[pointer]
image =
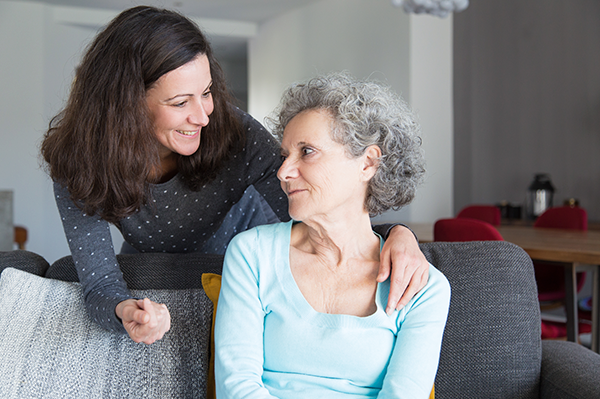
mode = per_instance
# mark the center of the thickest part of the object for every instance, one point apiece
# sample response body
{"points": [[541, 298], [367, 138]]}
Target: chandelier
{"points": [[439, 8]]}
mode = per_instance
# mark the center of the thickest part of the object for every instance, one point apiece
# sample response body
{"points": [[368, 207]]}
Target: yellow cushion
{"points": [[212, 286]]}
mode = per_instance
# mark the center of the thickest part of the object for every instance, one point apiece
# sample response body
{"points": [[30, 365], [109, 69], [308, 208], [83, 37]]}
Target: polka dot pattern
{"points": [[177, 220]]}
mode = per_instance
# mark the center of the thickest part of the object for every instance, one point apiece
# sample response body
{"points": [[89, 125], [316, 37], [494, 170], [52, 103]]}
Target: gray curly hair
{"points": [[365, 113]]}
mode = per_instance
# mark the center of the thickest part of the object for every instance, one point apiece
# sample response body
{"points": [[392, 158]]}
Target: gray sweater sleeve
{"points": [[91, 246]]}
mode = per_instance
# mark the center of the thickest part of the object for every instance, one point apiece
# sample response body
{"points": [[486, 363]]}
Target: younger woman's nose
{"points": [[199, 116]]}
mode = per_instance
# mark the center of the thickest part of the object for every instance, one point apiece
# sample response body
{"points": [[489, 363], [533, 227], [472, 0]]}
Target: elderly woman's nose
{"points": [[288, 170]]}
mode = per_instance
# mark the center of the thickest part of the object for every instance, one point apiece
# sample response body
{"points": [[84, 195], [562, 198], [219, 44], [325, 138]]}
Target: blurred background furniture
{"points": [[492, 285], [572, 247], [20, 236], [552, 277], [487, 213], [6, 220], [563, 217], [464, 229]]}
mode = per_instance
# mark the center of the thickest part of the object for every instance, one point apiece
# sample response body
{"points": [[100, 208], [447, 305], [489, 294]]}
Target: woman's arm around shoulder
{"points": [[401, 258]]}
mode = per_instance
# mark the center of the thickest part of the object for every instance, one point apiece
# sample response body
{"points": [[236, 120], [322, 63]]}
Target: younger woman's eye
{"points": [[180, 104], [208, 91]]}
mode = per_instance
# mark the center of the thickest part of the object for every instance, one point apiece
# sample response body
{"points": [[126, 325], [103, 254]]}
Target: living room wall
{"points": [[527, 100], [412, 53], [23, 116]]}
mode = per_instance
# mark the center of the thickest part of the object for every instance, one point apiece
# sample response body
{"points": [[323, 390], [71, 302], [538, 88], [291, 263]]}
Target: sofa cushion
{"points": [[492, 345], [52, 349], [211, 283]]}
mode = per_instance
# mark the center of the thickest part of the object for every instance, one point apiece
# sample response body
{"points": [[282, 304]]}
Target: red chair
{"points": [[464, 229], [486, 213], [563, 217], [550, 277]]}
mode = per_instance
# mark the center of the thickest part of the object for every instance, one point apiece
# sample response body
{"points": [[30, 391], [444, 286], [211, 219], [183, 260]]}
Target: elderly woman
{"points": [[301, 313]]}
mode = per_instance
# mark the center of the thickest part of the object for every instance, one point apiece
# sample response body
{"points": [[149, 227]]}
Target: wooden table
{"points": [[576, 249]]}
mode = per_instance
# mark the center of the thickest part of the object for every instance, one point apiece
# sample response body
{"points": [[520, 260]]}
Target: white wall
{"points": [[527, 100], [368, 38], [22, 116], [431, 97], [365, 37], [37, 69]]}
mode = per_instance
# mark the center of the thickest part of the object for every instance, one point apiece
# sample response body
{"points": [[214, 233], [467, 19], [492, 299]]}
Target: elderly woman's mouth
{"points": [[295, 191]]}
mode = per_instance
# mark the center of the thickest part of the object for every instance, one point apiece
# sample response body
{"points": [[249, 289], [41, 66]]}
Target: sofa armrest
{"points": [[492, 346], [569, 370]]}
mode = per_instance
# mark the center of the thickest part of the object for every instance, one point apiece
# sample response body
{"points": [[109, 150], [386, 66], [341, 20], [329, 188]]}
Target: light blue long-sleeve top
{"points": [[271, 343]]}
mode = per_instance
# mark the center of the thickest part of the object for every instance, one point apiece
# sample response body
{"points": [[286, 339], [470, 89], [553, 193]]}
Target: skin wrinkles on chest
{"points": [[348, 287]]}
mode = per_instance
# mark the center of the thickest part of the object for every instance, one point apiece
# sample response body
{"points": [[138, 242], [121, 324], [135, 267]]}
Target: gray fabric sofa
{"points": [[49, 348]]}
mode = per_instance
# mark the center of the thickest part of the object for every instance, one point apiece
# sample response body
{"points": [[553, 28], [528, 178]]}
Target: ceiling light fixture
{"points": [[439, 8]]}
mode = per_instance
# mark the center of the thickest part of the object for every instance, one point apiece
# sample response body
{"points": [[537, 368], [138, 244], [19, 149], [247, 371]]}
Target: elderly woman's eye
{"points": [[307, 151]]}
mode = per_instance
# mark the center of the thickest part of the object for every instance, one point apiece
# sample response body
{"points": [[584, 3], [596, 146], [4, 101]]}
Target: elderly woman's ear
{"points": [[370, 161]]}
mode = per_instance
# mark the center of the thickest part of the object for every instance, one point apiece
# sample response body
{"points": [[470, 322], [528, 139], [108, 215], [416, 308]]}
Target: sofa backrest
{"points": [[27, 261], [492, 344], [144, 271]]}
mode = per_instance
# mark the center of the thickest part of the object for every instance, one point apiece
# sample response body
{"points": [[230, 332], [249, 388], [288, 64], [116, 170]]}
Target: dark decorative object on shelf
{"points": [[539, 195]]}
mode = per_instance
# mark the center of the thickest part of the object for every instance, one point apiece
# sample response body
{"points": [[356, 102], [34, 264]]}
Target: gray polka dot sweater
{"points": [[178, 220]]}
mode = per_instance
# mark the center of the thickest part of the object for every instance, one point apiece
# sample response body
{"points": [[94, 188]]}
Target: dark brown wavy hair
{"points": [[102, 145]]}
